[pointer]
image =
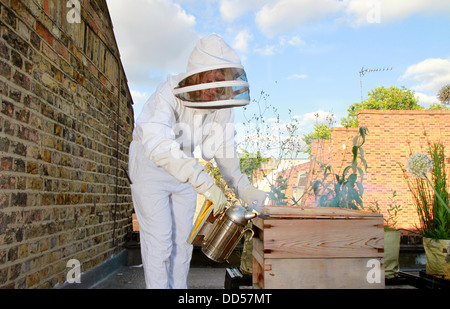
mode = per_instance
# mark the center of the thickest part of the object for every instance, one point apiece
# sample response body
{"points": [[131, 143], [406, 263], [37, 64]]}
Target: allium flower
{"points": [[419, 164]]}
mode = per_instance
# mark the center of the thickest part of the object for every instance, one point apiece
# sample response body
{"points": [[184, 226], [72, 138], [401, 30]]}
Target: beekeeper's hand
{"points": [[218, 199], [254, 198]]}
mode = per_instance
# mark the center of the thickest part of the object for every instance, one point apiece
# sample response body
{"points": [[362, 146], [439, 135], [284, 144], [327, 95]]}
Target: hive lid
{"points": [[315, 212]]}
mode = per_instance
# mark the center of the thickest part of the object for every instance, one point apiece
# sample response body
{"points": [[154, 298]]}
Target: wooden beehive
{"points": [[317, 247]]}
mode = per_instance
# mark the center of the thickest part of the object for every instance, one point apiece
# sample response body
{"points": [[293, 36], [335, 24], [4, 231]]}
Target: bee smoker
{"points": [[226, 232]]}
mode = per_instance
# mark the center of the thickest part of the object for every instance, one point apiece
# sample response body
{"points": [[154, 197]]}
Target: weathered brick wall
{"points": [[391, 136], [65, 125]]}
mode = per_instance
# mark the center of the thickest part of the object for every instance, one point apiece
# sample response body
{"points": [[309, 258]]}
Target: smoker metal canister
{"points": [[226, 233]]}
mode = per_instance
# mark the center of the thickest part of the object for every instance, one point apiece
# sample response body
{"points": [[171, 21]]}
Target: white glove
{"points": [[254, 198], [218, 199]]}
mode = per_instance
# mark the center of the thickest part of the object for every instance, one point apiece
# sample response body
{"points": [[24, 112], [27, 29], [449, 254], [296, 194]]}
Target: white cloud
{"points": [[268, 50], [277, 139], [139, 97], [430, 75], [277, 16], [272, 119], [426, 100], [291, 126], [278, 135], [293, 41], [319, 116], [154, 35], [242, 40], [296, 41], [283, 15], [382, 11], [283, 42], [297, 76], [230, 10], [301, 123]]}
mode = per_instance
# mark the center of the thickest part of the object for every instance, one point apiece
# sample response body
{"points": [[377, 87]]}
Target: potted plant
{"points": [[391, 236], [431, 200]]}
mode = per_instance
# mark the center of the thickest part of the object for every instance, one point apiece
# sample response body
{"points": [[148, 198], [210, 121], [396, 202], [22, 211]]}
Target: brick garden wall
{"points": [[65, 125], [391, 136]]}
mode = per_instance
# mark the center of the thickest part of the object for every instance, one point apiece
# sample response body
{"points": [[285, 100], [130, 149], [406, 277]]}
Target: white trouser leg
{"points": [[155, 230], [183, 209], [165, 210]]}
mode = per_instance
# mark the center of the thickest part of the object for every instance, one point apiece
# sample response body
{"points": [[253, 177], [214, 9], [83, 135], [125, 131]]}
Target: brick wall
{"points": [[65, 125], [391, 136]]}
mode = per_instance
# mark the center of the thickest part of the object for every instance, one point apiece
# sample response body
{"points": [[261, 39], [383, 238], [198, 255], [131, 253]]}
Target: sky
{"points": [[305, 55]]}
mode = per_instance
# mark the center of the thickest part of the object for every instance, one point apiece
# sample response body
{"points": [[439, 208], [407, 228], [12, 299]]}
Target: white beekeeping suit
{"points": [[188, 110]]}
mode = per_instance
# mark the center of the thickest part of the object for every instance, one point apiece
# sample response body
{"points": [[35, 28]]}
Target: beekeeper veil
{"points": [[214, 78]]}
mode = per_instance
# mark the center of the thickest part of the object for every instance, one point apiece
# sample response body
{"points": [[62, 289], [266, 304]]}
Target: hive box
{"points": [[317, 247]]}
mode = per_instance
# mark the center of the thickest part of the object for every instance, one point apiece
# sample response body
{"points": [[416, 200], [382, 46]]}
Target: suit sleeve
{"points": [[227, 158], [155, 130]]}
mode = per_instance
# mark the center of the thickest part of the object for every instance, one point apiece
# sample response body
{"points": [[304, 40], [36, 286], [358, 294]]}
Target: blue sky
{"points": [[305, 54]]}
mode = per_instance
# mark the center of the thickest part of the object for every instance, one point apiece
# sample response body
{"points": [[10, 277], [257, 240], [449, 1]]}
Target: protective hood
{"points": [[214, 78]]}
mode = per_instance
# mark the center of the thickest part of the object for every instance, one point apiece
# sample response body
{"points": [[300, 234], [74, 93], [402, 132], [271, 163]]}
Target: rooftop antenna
{"points": [[362, 73]]}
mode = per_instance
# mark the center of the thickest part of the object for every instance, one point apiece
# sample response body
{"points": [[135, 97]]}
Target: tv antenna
{"points": [[362, 73]]}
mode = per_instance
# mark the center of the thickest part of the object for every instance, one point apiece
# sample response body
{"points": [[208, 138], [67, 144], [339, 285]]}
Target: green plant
{"points": [[266, 135], [391, 220], [431, 200], [344, 190], [381, 98], [321, 131], [250, 163], [277, 192]]}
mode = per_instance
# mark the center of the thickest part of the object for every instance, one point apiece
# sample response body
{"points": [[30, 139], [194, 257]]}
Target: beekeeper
{"points": [[188, 110]]}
